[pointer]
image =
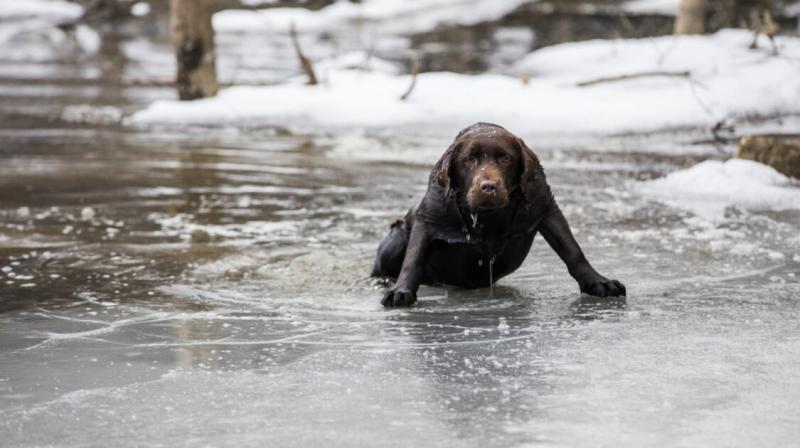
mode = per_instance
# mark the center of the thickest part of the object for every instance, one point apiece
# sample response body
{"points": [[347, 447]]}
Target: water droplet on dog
{"points": [[480, 262], [491, 277], [474, 217]]}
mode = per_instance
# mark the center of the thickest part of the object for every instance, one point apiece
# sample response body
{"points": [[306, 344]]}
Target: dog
{"points": [[487, 198]]}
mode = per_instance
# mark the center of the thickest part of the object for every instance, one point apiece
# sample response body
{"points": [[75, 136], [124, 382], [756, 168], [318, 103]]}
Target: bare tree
{"points": [[691, 17], [193, 40]]}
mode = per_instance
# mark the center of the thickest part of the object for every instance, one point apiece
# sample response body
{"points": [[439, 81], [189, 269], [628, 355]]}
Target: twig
{"points": [[305, 63], [736, 138], [720, 127], [595, 81], [414, 70]]}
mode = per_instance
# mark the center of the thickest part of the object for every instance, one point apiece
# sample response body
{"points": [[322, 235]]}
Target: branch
{"points": [[592, 82], [305, 63], [414, 71]]}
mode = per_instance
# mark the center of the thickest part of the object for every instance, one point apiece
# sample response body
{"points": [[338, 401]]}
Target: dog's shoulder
{"points": [[440, 213]]}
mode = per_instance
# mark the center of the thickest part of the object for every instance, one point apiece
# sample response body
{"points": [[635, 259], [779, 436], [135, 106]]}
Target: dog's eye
{"points": [[473, 159], [504, 158]]}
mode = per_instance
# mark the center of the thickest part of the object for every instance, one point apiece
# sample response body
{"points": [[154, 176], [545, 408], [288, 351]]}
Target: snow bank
{"points": [[665, 7], [56, 10], [391, 15], [727, 79], [709, 187]]}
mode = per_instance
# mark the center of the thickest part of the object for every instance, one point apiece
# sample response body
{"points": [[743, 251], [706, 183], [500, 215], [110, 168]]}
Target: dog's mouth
{"points": [[486, 202]]}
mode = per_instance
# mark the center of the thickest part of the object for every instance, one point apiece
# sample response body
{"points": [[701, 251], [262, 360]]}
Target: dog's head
{"points": [[487, 164]]}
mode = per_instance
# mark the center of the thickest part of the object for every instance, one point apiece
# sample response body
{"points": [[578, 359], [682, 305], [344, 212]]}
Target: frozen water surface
{"points": [[182, 287], [166, 290]]}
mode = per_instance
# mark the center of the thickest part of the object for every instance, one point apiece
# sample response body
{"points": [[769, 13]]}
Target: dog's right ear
{"points": [[442, 172]]}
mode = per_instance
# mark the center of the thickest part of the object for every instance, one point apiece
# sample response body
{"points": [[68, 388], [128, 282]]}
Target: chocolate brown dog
{"points": [[487, 198]]}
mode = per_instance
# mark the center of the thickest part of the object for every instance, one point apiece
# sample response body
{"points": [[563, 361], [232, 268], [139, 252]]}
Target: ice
{"points": [[502, 326], [91, 114], [184, 226], [88, 214]]}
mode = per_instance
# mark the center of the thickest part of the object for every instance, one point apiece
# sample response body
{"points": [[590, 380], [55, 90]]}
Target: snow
{"points": [[24, 21], [727, 79], [397, 15], [709, 187], [259, 2], [43, 9], [665, 7], [86, 113], [140, 9], [88, 39], [792, 10]]}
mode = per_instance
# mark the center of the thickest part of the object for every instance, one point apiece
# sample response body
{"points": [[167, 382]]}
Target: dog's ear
{"points": [[442, 172], [531, 171]]}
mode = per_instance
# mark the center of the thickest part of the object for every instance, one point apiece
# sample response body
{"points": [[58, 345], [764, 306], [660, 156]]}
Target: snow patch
{"points": [[140, 9], [88, 39], [55, 10], [709, 187], [664, 7], [387, 15]]}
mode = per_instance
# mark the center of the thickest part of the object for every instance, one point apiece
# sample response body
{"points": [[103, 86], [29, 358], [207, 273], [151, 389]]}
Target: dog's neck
{"points": [[489, 229]]}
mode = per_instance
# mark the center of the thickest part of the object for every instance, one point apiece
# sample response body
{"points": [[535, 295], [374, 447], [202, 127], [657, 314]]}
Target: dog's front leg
{"points": [[405, 289], [555, 230]]}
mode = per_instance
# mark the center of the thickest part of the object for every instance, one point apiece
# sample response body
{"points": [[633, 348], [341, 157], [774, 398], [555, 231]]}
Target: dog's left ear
{"points": [[532, 172], [442, 171]]}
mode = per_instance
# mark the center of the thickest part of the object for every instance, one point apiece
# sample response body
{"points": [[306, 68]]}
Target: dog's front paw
{"points": [[398, 297], [603, 287]]}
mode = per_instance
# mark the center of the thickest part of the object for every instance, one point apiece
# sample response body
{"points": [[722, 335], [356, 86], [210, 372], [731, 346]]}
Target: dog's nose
{"points": [[488, 186]]}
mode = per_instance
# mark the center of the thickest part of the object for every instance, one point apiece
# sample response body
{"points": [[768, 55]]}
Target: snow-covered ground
{"points": [[387, 15], [666, 7], [725, 79], [26, 24]]}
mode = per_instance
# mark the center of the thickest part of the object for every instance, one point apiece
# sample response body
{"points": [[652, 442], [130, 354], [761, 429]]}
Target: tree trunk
{"points": [[193, 40], [779, 152], [691, 17]]}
